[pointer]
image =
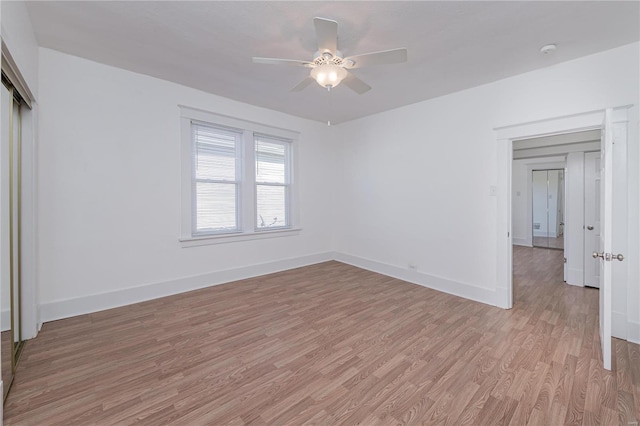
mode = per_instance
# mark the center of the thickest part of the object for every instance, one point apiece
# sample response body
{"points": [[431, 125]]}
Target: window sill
{"points": [[236, 237]]}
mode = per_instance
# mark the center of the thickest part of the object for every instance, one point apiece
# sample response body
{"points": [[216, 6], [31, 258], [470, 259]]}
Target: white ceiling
{"points": [[452, 45], [561, 139], [562, 144]]}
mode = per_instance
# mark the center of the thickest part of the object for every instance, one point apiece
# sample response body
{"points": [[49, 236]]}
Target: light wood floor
{"points": [[5, 348], [333, 344]]}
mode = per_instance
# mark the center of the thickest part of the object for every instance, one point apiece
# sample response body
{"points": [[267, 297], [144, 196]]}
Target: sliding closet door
{"points": [[548, 208], [10, 231], [6, 347], [15, 194]]}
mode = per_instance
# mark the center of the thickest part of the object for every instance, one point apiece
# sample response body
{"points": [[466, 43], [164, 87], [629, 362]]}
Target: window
{"points": [[216, 179], [272, 182], [237, 179]]}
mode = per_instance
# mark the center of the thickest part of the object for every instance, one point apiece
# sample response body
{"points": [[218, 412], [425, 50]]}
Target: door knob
{"points": [[590, 228], [607, 256]]}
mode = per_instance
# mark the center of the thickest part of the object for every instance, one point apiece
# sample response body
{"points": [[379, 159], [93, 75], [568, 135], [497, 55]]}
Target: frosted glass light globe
{"points": [[328, 75]]}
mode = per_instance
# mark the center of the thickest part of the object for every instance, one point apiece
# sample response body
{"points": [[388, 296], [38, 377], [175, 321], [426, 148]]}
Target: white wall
{"points": [[109, 190], [415, 183], [520, 204], [20, 42]]}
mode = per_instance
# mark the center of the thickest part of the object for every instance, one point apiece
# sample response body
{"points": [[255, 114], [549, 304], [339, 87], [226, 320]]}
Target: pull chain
{"points": [[330, 105]]}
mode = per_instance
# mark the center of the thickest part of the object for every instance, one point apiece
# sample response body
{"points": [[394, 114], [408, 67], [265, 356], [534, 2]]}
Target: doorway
{"points": [[562, 194], [613, 123]]}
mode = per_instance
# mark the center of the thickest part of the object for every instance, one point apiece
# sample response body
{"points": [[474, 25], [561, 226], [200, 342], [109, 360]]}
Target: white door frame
{"points": [[504, 140]]}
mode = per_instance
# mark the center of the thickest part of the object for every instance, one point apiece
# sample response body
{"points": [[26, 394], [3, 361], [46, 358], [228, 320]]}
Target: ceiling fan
{"points": [[329, 68]]}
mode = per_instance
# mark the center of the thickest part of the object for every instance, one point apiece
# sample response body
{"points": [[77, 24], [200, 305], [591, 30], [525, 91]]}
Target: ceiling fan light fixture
{"points": [[328, 75], [329, 68]]}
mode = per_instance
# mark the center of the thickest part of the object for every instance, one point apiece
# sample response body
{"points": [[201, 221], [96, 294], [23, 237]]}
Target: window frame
{"points": [[286, 185], [247, 197], [237, 182]]}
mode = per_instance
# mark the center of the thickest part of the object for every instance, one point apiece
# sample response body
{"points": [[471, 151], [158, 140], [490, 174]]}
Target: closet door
{"points": [[540, 208], [548, 208], [10, 232], [6, 347]]}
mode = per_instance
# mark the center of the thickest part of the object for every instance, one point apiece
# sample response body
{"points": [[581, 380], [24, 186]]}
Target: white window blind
{"points": [[216, 179], [273, 170]]}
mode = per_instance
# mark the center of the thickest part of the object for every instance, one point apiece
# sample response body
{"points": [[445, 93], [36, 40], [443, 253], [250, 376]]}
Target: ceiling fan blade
{"points": [[355, 84], [393, 56], [303, 84], [326, 34], [277, 61]]}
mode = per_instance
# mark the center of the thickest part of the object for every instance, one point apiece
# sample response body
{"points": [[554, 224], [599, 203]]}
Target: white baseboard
{"points": [[633, 332], [38, 319], [619, 325], [59, 309], [522, 242], [436, 283], [544, 234]]}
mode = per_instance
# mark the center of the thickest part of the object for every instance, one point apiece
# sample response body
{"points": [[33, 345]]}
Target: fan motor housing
{"points": [[328, 58]]}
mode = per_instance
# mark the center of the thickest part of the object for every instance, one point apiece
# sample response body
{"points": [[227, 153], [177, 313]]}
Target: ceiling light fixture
{"points": [[329, 68], [328, 75]]}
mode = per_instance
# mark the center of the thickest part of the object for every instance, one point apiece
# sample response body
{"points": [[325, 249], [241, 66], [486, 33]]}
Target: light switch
{"points": [[493, 190]]}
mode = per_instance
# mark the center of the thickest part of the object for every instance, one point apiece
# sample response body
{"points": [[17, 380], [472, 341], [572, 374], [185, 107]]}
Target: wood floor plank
{"points": [[333, 344]]}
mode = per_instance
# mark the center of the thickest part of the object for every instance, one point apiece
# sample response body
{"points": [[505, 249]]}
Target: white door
{"points": [[606, 224], [564, 236], [591, 218]]}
